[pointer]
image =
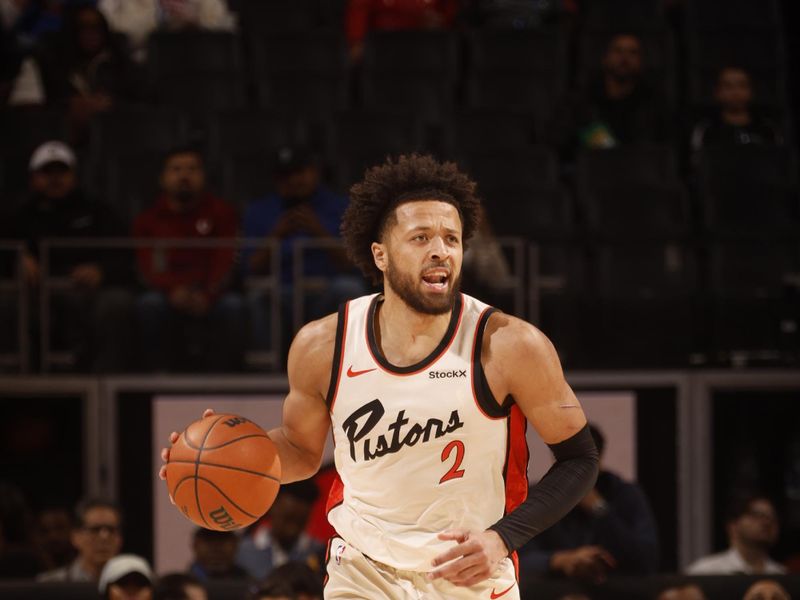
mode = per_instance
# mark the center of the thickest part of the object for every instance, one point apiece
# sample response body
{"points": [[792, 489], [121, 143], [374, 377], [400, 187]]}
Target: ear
{"points": [[379, 256]]}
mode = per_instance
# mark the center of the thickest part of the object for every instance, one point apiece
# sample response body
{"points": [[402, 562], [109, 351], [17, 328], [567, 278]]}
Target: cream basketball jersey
{"points": [[419, 449]]}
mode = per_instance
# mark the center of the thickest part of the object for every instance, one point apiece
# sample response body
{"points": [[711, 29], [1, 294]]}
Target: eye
{"points": [[452, 239], [421, 237]]}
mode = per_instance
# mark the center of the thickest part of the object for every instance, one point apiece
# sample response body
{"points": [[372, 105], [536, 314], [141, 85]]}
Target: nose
{"points": [[438, 248]]}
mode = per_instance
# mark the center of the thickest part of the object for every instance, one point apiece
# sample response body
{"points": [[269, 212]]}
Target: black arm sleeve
{"points": [[562, 487]]}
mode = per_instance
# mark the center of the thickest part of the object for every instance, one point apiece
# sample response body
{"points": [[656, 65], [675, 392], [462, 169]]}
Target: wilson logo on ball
{"points": [[235, 421], [223, 519]]}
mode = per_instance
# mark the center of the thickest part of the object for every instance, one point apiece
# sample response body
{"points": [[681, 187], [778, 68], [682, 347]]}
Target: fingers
{"points": [[173, 437], [165, 455], [455, 552], [459, 572], [459, 535], [208, 412], [162, 473]]}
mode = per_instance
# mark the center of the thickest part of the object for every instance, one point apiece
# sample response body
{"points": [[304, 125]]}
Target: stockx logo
{"points": [[454, 374]]}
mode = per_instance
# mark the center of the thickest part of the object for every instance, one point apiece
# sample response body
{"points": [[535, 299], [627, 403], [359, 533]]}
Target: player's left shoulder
{"points": [[510, 339]]}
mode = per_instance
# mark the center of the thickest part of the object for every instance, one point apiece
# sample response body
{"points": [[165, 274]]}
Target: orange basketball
{"points": [[223, 472]]}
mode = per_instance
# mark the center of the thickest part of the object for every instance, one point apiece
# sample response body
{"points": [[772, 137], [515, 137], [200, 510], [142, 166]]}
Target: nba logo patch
{"points": [[339, 551]]}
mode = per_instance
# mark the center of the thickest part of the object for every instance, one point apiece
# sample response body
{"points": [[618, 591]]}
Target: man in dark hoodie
{"points": [[616, 109], [611, 529], [91, 314]]}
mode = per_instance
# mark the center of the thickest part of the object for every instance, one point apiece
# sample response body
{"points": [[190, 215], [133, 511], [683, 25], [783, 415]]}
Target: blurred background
{"points": [[172, 178]]}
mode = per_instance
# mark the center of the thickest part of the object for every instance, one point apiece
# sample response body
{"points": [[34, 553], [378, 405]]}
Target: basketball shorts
{"points": [[353, 575]]}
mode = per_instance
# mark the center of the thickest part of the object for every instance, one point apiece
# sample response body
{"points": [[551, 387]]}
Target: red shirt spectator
{"points": [[186, 211], [364, 15]]}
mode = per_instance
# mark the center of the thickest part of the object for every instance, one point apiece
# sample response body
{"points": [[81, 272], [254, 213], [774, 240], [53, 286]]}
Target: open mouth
{"points": [[436, 280]]}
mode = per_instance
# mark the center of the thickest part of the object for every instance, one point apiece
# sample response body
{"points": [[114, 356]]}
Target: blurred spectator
{"points": [[619, 108], [363, 16], [735, 121], [29, 20], [139, 18], [485, 269], [281, 537], [301, 208], [179, 586], [189, 318], [92, 317], [293, 581], [766, 589], [682, 592], [752, 527], [215, 555], [54, 537], [97, 536], [84, 70], [611, 530], [17, 555], [126, 577]]}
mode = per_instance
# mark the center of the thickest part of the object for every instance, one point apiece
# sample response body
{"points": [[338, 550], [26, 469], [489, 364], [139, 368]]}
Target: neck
{"points": [[180, 206], [752, 555], [93, 569], [404, 334], [619, 88], [736, 116]]}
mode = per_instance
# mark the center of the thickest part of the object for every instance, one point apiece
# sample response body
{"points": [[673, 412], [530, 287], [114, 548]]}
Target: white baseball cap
{"points": [[51, 152], [122, 565]]}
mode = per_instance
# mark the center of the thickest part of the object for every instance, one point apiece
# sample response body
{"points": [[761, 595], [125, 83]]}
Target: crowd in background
{"points": [[525, 132], [612, 532], [157, 308]]}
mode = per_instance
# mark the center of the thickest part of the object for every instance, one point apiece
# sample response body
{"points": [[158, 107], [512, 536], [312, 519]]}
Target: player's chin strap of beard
{"points": [[571, 477]]}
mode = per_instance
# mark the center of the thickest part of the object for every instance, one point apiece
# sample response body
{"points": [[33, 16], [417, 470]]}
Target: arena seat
{"points": [[303, 73], [749, 189], [410, 70]]}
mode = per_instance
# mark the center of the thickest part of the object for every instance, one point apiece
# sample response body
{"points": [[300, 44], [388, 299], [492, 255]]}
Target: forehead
{"points": [[183, 159], [625, 42], [427, 213], [100, 513], [733, 75]]}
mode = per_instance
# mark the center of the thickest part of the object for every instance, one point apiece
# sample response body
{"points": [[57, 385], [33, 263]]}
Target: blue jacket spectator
{"points": [[612, 529]]}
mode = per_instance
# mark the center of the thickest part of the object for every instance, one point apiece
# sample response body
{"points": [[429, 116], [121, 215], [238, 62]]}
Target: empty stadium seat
{"points": [[755, 290], [523, 71], [174, 53], [280, 16], [488, 132], [749, 189], [645, 305], [362, 139], [765, 14], [621, 13], [304, 73], [410, 70]]}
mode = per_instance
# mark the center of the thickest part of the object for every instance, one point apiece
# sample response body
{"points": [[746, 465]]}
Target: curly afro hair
{"points": [[385, 187]]}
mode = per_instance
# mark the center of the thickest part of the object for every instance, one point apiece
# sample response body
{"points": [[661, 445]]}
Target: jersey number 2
{"points": [[454, 472]]}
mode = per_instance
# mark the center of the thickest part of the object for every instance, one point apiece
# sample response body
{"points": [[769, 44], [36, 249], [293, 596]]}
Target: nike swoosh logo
{"points": [[503, 593], [351, 373]]}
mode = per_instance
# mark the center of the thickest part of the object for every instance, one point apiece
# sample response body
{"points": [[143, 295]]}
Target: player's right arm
{"points": [[304, 430]]}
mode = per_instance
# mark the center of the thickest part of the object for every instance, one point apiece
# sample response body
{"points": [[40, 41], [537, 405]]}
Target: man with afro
{"points": [[428, 393]]}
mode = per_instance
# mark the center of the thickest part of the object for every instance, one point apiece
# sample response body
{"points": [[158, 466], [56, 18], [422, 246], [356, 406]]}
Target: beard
{"points": [[407, 288]]}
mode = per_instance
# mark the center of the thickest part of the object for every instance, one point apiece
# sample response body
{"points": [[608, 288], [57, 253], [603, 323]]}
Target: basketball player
{"points": [[428, 393]]}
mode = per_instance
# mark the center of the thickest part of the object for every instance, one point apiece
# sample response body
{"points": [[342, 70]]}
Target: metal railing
{"points": [[269, 283], [14, 285], [523, 291]]}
